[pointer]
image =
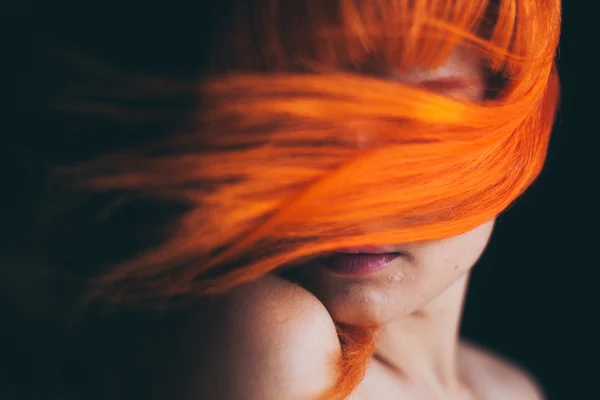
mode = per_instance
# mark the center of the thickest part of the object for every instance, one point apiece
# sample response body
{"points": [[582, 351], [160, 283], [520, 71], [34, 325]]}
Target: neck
{"points": [[424, 345]]}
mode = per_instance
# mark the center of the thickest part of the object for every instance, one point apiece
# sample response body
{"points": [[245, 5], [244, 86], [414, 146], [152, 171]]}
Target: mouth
{"points": [[360, 261]]}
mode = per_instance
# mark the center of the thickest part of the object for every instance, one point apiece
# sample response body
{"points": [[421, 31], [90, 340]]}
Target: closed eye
{"points": [[452, 83]]}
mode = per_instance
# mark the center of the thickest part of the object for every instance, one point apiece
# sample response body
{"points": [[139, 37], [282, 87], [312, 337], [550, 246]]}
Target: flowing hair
{"points": [[302, 143]]}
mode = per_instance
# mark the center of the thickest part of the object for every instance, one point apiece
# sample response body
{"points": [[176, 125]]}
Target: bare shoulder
{"points": [[269, 339], [494, 378]]}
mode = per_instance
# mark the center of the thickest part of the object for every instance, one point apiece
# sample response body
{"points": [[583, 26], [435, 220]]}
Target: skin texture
{"points": [[273, 339]]}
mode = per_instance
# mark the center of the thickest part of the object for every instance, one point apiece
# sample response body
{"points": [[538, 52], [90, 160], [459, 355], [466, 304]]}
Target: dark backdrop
{"points": [[532, 296]]}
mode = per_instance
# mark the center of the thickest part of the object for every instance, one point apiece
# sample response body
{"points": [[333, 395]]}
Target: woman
{"points": [[342, 176]]}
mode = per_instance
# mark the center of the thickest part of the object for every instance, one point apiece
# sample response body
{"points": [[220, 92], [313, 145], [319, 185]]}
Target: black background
{"points": [[532, 298]]}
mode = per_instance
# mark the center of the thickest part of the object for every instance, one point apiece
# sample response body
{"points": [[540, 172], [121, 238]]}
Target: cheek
{"points": [[446, 260], [439, 265]]}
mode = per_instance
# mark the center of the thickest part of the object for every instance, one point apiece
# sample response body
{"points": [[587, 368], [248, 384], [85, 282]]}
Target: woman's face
{"points": [[424, 270]]}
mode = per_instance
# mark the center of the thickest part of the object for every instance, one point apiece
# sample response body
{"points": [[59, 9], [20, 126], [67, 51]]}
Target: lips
{"points": [[359, 261]]}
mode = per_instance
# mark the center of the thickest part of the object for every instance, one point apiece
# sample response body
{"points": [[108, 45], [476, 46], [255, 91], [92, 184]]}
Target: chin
{"points": [[368, 303]]}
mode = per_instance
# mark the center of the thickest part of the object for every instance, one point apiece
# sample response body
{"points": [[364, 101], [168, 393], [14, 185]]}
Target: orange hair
{"points": [[273, 171]]}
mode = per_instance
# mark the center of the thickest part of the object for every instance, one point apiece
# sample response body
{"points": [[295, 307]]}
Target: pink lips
{"points": [[357, 261]]}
